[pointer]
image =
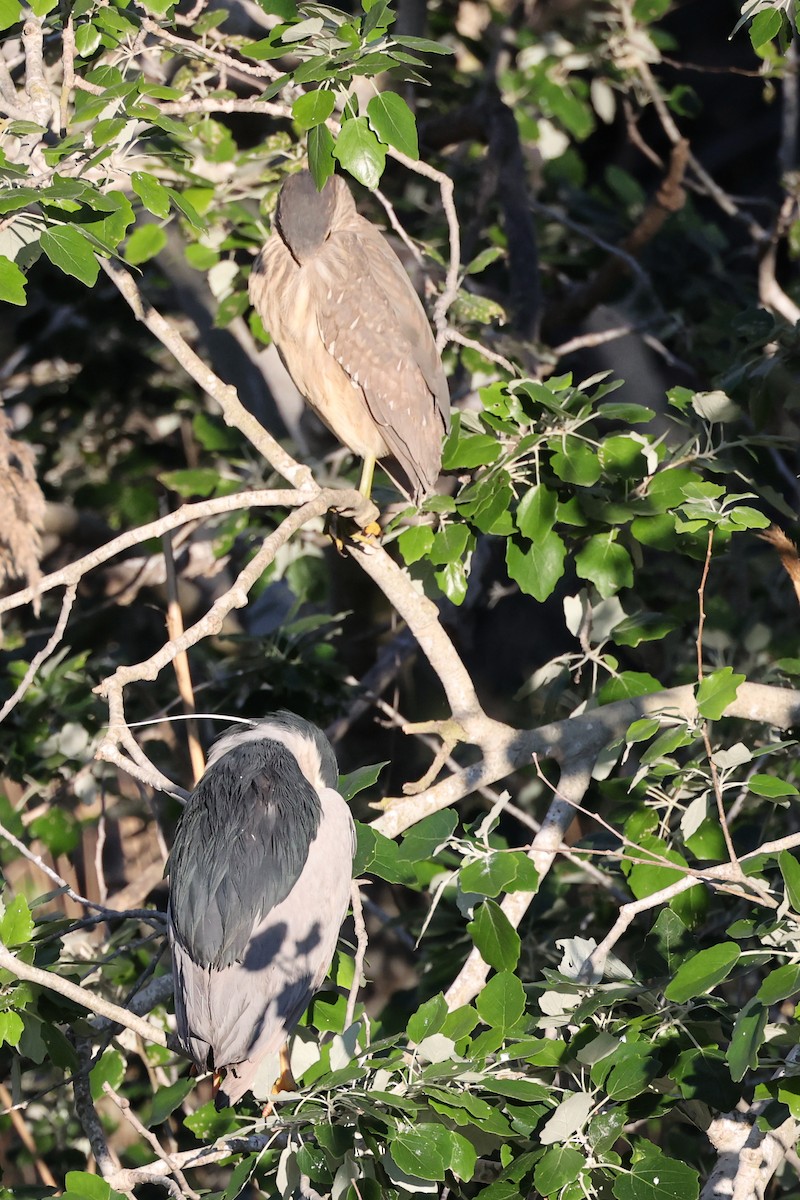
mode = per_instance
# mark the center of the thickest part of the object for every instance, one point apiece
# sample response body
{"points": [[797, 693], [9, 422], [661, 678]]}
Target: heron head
{"points": [[309, 746], [304, 216]]}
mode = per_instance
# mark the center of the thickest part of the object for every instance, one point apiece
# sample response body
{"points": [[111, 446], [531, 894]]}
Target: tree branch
{"points": [[86, 999]]}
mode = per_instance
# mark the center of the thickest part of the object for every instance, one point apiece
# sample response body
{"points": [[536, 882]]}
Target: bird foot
{"points": [[367, 530]]}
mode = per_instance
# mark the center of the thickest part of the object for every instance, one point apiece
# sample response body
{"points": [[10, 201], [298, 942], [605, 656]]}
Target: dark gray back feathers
{"points": [[241, 845]]}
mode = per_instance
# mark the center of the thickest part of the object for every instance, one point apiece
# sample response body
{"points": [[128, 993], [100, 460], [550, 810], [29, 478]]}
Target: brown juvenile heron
{"points": [[259, 878], [352, 332]]}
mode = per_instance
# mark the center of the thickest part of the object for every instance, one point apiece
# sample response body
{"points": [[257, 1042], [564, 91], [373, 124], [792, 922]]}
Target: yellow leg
{"points": [[367, 471]]}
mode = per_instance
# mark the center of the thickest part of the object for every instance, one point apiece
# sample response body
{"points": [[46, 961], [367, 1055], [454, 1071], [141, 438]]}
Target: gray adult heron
{"points": [[259, 880], [352, 332]]}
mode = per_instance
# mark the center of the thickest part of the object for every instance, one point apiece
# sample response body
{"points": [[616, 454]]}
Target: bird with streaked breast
{"points": [[352, 332], [259, 881]]}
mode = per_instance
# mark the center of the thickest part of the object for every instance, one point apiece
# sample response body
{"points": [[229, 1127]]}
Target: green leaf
{"points": [[536, 514], [622, 457], [11, 1027], [790, 870], [452, 579], [213, 435], [420, 1155], [635, 1065], [627, 685], [415, 543], [768, 785], [428, 1019], [313, 108], [59, 831], [69, 250], [12, 282], [197, 481], [766, 25], [468, 450], [424, 45], [240, 1177], [488, 876], [424, 839], [428, 1150], [779, 984], [359, 780], [90, 1187], [153, 195], [10, 13], [575, 462], [208, 1124], [359, 151], [16, 924], [495, 937], [605, 563], [526, 878], [631, 414], [104, 132], [145, 243], [201, 257], [449, 544], [559, 1166], [642, 730], [717, 691], [538, 568], [700, 974], [748, 1034], [320, 154], [393, 121], [644, 879], [501, 1003], [110, 1069], [653, 1176], [167, 1099]]}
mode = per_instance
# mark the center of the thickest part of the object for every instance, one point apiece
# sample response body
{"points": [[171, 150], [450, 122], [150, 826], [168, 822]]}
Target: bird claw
{"points": [[367, 531]]}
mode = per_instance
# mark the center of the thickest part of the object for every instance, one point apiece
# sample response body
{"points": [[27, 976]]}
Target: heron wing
{"points": [[377, 334], [240, 847], [393, 280]]}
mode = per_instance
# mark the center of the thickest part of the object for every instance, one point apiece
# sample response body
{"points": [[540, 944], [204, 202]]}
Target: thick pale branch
{"points": [[422, 617], [266, 498], [235, 597], [581, 737]]}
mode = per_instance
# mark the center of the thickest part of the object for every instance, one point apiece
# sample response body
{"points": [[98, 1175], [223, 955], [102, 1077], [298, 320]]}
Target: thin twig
{"points": [[717, 787], [44, 653], [110, 914], [361, 950], [453, 335], [130, 1116], [196, 50], [701, 591]]}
